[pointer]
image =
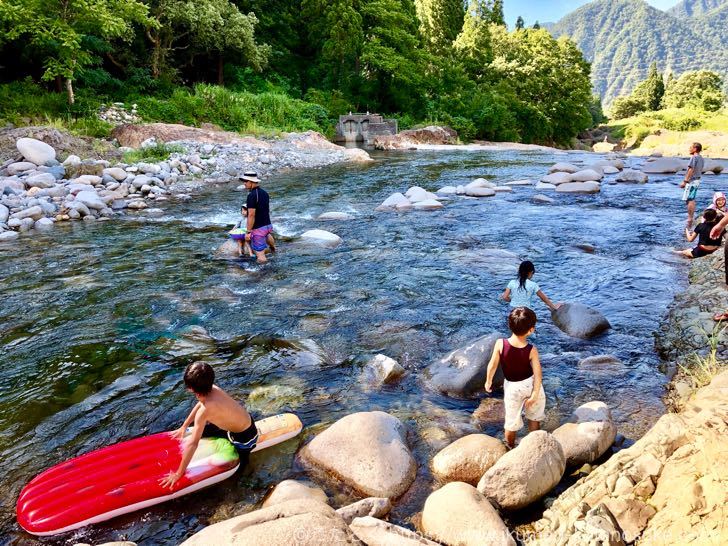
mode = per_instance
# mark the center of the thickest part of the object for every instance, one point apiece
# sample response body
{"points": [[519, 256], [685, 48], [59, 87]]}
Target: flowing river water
{"points": [[99, 320]]}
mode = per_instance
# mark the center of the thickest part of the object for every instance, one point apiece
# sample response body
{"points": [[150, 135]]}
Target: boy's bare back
{"points": [[223, 411]]}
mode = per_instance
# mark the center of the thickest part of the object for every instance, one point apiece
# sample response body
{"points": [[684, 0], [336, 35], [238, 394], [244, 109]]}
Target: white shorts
{"points": [[515, 395]]}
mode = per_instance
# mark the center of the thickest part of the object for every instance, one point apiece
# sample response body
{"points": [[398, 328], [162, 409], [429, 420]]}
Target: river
{"points": [[99, 319]]}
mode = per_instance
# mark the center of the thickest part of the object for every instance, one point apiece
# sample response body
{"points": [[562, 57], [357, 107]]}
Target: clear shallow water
{"points": [[99, 321]]}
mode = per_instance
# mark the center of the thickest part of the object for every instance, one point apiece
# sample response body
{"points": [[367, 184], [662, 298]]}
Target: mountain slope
{"points": [[621, 38], [715, 23], [694, 8]]}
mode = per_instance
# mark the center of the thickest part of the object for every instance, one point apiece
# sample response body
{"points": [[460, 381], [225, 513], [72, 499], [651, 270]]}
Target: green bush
{"points": [[155, 153]]}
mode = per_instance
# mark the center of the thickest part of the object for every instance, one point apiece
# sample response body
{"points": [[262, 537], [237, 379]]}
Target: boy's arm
{"points": [[688, 175], [507, 295], [189, 450], [551, 305], [537, 377], [690, 235], [493, 365], [180, 432]]}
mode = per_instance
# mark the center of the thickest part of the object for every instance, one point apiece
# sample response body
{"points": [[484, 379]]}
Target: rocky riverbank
{"points": [[40, 186]]}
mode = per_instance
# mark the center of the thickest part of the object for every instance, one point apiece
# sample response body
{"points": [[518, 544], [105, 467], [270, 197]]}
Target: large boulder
{"points": [[563, 168], [117, 173], [467, 459], [556, 178], [395, 201], [665, 165], [302, 522], [321, 237], [375, 532], [35, 151], [579, 320], [586, 175], [366, 451], [588, 434], [291, 490], [376, 507], [712, 166], [458, 515], [526, 473], [461, 374], [633, 176], [413, 137], [579, 187]]}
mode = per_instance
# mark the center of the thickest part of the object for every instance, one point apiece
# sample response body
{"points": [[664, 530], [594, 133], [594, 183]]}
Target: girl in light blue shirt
{"points": [[522, 292]]}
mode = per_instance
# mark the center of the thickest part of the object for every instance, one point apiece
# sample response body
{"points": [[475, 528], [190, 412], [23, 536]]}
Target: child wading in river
{"points": [[216, 415], [522, 388], [522, 292]]}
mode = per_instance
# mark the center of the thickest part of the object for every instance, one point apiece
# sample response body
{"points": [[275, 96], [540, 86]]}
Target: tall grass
{"points": [[701, 369], [637, 128]]}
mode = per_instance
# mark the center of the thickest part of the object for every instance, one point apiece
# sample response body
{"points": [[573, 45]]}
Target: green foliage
{"points": [[440, 22], [650, 91], [699, 89], [156, 153], [596, 111], [473, 44], [626, 107], [520, 23]]}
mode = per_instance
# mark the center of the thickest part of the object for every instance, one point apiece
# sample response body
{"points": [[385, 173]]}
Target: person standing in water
{"points": [[522, 292], [691, 182], [260, 229]]}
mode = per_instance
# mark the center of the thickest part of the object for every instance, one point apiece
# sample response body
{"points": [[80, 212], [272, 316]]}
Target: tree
{"points": [[496, 13], [536, 26], [62, 28], [440, 22], [472, 45], [626, 107], [597, 111], [650, 91], [520, 23], [700, 89]]}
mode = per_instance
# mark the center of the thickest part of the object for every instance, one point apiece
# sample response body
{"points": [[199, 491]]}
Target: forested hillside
{"points": [[293, 64], [622, 38]]}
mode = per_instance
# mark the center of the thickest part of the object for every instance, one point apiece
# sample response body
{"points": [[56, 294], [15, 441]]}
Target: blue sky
{"points": [[553, 10]]}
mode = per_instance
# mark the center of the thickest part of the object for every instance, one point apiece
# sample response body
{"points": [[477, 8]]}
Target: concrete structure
{"points": [[364, 128]]}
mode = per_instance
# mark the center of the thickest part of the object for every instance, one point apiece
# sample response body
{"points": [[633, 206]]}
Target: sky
{"points": [[553, 10]]}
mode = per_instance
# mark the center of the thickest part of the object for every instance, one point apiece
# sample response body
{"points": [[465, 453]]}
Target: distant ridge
{"points": [[621, 38]]}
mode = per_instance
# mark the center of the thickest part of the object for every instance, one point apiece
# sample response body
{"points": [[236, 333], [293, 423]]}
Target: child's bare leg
{"points": [[271, 242], [691, 213], [510, 438], [533, 425], [240, 247]]}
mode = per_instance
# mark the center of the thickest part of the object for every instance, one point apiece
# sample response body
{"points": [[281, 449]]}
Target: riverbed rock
{"points": [[321, 237], [539, 198], [416, 194], [91, 199], [4, 214], [7, 236], [556, 178], [679, 469], [302, 522], [427, 204], [563, 168], [382, 369], [520, 183], [664, 165], [588, 435], [480, 183], [292, 490], [41, 180], [579, 320], [479, 191], [586, 175], [712, 166], [44, 224], [394, 202], [579, 187], [117, 173], [545, 186], [335, 216], [467, 459], [228, 250], [461, 373], [447, 190], [367, 451], [35, 151], [459, 515], [20, 167], [412, 137], [34, 212], [526, 473], [375, 532], [633, 176], [376, 507]]}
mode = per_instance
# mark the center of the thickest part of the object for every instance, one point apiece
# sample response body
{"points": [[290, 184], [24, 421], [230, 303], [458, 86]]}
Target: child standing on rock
{"points": [[522, 292], [522, 388]]}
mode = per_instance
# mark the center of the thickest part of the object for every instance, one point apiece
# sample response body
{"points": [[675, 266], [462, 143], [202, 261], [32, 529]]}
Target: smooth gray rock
{"points": [[579, 320], [7, 236], [44, 224], [461, 374], [91, 199], [33, 212], [375, 532], [4, 214], [376, 507], [117, 173], [20, 167], [42, 180], [35, 151], [588, 434]]}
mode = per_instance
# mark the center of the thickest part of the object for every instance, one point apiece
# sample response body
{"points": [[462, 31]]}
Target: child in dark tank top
{"points": [[522, 388]]}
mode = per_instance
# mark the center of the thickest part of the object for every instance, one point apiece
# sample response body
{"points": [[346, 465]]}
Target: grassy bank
{"points": [[24, 103]]}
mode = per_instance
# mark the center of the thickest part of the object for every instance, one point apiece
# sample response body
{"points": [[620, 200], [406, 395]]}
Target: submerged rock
{"points": [[462, 372], [366, 451], [579, 320], [382, 369], [467, 459], [458, 514], [526, 473], [335, 216]]}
